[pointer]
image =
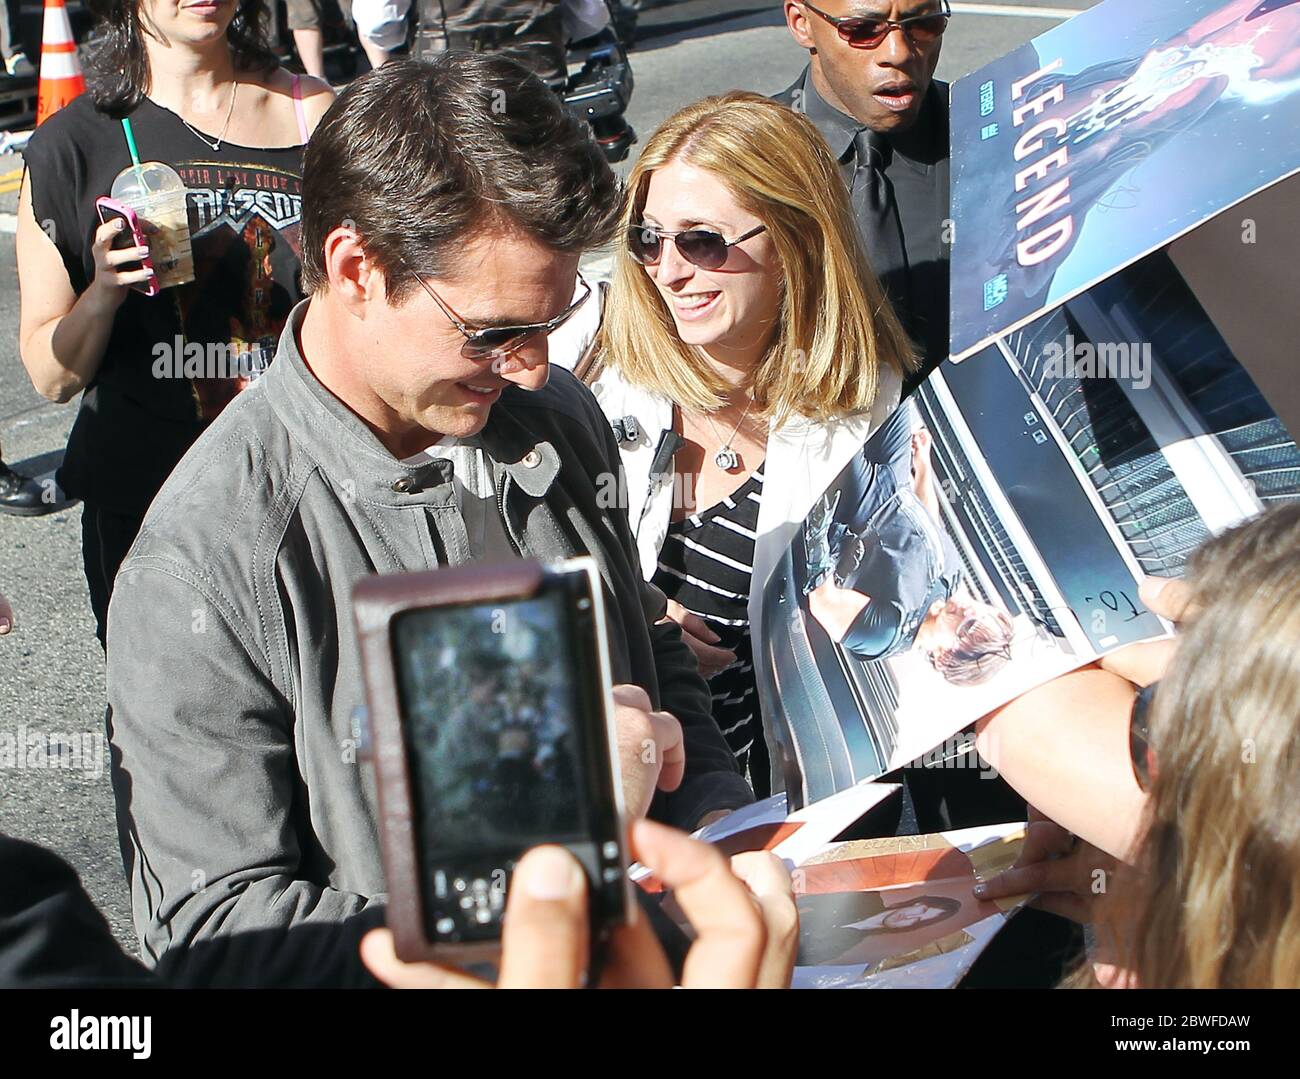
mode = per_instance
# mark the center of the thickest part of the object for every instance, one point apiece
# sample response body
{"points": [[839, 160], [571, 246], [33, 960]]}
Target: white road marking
{"points": [[1015, 10]]}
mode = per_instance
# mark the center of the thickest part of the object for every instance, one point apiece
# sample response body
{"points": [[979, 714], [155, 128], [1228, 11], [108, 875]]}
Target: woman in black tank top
{"points": [[201, 92]]}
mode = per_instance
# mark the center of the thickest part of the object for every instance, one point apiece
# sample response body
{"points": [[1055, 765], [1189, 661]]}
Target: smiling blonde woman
{"points": [[743, 320]]}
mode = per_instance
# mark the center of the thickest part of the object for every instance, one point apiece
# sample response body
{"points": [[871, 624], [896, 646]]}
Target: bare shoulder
{"points": [[277, 85], [317, 97]]}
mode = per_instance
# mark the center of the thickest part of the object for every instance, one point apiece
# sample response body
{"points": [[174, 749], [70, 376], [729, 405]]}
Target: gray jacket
{"points": [[247, 827]]}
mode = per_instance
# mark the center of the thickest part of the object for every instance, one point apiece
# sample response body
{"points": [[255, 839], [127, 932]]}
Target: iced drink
{"points": [[157, 194]]}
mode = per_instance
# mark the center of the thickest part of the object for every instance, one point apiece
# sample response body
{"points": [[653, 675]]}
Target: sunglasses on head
{"points": [[700, 247], [498, 342], [868, 31]]}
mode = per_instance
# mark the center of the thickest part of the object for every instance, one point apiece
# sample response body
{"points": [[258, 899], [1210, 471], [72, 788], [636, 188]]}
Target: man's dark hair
{"points": [[416, 154]]}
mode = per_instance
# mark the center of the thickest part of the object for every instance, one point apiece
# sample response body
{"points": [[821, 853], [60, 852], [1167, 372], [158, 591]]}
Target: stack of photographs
{"points": [[900, 913], [991, 534]]}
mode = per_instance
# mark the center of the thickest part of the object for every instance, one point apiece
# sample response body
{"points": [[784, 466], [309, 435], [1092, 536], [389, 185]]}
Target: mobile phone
{"points": [[131, 236], [490, 714]]}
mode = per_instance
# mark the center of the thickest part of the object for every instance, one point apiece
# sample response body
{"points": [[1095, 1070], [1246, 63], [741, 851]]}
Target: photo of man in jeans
{"points": [[883, 575]]}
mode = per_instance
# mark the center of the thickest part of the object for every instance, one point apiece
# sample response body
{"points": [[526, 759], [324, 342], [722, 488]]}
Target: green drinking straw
{"points": [[130, 145]]}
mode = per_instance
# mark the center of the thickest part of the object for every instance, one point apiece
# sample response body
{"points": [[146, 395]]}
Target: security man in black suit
{"points": [[869, 87]]}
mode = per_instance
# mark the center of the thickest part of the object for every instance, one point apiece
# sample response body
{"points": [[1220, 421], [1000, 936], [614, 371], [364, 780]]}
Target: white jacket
{"points": [[803, 457]]}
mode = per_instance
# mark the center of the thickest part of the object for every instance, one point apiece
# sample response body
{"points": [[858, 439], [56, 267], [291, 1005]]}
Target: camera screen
{"points": [[490, 715]]}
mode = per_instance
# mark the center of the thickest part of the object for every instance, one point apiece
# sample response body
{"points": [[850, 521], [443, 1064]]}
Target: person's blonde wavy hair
{"points": [[835, 327], [1215, 896]]}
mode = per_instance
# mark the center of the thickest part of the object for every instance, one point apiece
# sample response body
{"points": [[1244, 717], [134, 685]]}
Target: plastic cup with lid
{"points": [[157, 194]]}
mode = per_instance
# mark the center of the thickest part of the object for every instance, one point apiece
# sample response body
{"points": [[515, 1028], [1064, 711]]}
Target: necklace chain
{"points": [[726, 458], [234, 89]]}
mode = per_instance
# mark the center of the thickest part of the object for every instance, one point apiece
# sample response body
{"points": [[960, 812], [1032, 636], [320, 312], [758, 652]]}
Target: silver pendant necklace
{"points": [[234, 89], [726, 458]]}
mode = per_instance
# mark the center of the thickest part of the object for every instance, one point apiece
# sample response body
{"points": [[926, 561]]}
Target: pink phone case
{"points": [[109, 207]]}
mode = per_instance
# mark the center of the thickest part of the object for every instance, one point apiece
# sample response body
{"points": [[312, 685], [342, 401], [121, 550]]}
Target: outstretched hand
{"points": [[651, 749], [1147, 661], [743, 915], [1066, 874]]}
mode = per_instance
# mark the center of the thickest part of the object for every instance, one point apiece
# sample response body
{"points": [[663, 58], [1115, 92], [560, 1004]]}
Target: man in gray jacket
{"points": [[407, 422]]}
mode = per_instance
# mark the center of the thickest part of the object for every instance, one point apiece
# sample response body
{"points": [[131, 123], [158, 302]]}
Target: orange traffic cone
{"points": [[61, 78]]}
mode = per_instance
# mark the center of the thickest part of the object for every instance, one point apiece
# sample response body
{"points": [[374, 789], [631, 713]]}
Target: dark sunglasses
{"points": [[497, 342], [1139, 738], [699, 247], [868, 31]]}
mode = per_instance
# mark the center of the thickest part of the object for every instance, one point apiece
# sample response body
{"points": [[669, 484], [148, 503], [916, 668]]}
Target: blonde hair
{"points": [[835, 327], [1215, 897]]}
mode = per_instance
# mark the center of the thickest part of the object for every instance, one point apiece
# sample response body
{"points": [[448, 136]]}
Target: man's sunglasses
{"points": [[868, 31], [497, 342], [699, 247]]}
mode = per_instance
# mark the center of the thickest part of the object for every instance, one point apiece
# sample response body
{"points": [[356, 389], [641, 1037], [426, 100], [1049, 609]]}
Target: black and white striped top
{"points": [[706, 565]]}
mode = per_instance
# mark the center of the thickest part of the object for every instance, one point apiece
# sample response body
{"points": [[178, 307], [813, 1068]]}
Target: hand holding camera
{"points": [[495, 730], [743, 914]]}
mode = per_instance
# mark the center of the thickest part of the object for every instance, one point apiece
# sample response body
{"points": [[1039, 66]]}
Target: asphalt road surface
{"points": [[51, 667]]}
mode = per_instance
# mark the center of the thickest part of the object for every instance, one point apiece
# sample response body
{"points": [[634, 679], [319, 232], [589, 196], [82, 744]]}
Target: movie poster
{"points": [[880, 640], [992, 532], [1108, 137]]}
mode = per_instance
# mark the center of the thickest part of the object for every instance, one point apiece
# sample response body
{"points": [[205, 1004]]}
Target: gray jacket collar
{"points": [[350, 455]]}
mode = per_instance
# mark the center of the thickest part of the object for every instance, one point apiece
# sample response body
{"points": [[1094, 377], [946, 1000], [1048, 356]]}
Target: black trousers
{"points": [[106, 536], [10, 42]]}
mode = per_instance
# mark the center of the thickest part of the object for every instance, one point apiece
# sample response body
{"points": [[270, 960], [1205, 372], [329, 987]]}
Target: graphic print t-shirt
{"points": [[174, 360]]}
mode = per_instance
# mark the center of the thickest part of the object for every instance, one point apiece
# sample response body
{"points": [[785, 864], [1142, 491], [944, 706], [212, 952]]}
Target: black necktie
{"points": [[877, 216]]}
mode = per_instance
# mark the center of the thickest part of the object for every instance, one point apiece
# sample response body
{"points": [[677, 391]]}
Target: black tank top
{"points": [[156, 391]]}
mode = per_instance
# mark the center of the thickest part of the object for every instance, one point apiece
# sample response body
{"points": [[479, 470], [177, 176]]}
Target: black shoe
{"points": [[23, 496]]}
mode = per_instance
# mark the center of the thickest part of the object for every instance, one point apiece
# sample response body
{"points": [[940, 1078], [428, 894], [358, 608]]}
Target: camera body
{"points": [[599, 93], [593, 76], [491, 723]]}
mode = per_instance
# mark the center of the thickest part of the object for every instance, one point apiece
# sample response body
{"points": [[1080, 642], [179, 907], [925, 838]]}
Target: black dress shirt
{"points": [[918, 173]]}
